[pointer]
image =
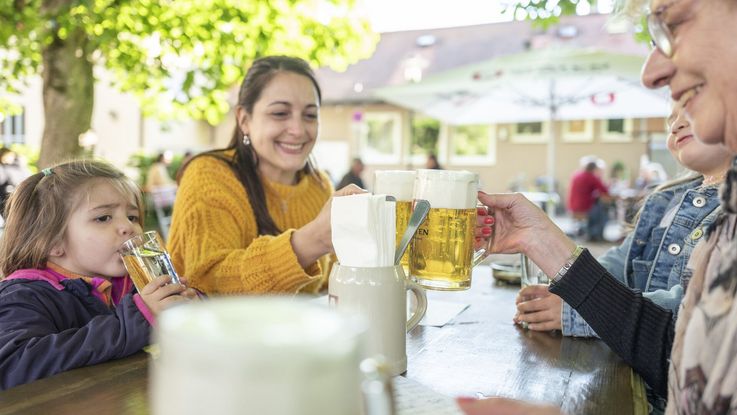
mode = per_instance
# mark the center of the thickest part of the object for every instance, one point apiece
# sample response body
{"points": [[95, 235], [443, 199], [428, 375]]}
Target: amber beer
{"points": [[145, 258], [404, 211], [400, 184], [443, 248]]}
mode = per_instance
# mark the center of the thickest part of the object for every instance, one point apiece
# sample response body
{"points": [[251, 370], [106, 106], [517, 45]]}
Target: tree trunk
{"points": [[68, 96]]}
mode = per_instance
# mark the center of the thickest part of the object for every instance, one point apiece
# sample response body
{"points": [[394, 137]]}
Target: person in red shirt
{"points": [[586, 198]]}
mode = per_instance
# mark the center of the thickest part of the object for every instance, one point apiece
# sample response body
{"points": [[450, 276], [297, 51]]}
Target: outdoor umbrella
{"points": [[545, 84]]}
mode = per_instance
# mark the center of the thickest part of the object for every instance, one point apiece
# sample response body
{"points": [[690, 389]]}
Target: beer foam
{"points": [[247, 322], [397, 183], [447, 189]]}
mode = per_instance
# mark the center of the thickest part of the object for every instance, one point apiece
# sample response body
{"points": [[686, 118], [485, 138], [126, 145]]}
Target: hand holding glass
{"points": [[530, 273], [145, 257]]}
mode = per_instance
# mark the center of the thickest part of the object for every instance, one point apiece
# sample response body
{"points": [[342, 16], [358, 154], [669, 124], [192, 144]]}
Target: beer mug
{"points": [[443, 247], [398, 183], [260, 355]]}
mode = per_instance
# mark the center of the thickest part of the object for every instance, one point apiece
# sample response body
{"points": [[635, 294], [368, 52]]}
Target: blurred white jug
{"points": [[267, 355], [380, 295]]}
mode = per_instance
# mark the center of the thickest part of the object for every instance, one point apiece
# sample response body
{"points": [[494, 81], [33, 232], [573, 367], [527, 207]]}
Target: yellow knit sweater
{"points": [[213, 240]]}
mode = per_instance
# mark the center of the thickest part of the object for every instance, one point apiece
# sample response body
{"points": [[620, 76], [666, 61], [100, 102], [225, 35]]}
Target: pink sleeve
{"points": [[143, 308]]}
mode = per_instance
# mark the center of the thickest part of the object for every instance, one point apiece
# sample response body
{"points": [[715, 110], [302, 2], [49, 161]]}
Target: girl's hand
{"points": [[190, 293], [503, 406], [539, 308], [160, 293], [314, 240]]}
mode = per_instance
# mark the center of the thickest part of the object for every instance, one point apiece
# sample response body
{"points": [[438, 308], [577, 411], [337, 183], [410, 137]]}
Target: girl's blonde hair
{"points": [[38, 211]]}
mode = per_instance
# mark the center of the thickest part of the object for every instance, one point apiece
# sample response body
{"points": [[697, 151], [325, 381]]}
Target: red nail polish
{"points": [[481, 211], [486, 231], [488, 220]]}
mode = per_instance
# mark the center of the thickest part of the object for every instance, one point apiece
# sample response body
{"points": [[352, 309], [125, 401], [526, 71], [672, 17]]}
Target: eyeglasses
{"points": [[661, 36], [661, 33]]}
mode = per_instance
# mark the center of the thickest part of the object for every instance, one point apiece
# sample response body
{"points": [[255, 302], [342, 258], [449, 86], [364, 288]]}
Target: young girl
{"points": [[65, 300], [654, 255]]}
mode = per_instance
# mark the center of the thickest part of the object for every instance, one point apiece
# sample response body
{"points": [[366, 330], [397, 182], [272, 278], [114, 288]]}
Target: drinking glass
{"points": [[443, 249], [145, 257], [530, 273]]}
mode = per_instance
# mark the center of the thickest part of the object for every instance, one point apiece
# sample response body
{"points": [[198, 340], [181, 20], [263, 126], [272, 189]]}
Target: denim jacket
{"points": [[652, 258]]}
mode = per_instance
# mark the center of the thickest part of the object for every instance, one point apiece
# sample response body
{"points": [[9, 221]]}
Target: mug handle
{"points": [[483, 252], [421, 297]]}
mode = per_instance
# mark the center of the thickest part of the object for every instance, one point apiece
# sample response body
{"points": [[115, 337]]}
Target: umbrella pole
{"points": [[553, 106]]}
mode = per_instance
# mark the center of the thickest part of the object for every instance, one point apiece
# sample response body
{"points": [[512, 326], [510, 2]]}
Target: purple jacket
{"points": [[48, 326]]}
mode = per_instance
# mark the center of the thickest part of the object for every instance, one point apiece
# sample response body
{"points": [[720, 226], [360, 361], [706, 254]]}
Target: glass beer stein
{"points": [[443, 254], [398, 183]]}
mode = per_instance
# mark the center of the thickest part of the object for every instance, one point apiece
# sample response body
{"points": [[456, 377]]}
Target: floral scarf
{"points": [[702, 377]]}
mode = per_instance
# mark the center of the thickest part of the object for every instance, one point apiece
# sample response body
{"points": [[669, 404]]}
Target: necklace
{"points": [[712, 180]]}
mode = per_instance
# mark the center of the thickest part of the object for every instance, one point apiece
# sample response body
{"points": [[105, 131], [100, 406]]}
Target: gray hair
{"points": [[631, 9]]}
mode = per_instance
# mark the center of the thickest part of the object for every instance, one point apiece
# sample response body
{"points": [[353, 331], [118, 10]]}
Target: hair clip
{"points": [[47, 172]]}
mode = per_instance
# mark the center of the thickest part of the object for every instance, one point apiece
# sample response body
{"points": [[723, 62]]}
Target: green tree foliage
{"points": [[425, 135], [179, 57], [545, 13]]}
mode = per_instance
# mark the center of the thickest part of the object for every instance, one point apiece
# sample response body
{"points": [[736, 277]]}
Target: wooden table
{"points": [[480, 353]]}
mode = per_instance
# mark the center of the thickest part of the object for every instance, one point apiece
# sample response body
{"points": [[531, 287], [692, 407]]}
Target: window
{"points": [[578, 131], [472, 145], [530, 128], [13, 129], [425, 138], [380, 137], [530, 132], [616, 130]]}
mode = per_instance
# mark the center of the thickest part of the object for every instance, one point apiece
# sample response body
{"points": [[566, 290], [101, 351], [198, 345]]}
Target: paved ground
{"points": [[613, 233]]}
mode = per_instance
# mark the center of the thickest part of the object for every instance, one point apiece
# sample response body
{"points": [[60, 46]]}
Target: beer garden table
{"points": [[480, 353]]}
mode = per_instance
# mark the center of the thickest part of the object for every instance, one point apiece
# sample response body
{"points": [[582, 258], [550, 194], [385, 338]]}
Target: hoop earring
{"points": [[246, 140]]}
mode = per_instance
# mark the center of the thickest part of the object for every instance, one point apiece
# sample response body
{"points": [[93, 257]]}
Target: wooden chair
{"points": [[162, 200]]}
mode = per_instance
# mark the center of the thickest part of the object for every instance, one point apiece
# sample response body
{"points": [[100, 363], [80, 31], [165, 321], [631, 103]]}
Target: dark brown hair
{"points": [[38, 211], [245, 161]]}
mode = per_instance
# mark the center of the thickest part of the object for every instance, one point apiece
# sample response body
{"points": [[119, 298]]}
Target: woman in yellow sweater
{"points": [[255, 217]]}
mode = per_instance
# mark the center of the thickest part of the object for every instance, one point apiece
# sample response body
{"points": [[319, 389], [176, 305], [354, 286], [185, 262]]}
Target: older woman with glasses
{"points": [[695, 358]]}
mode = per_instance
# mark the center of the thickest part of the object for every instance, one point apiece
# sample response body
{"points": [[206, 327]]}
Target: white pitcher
{"points": [[380, 295]]}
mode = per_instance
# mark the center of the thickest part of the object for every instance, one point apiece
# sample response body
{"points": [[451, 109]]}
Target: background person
{"points": [[12, 173], [158, 174], [354, 175], [587, 195], [432, 162], [255, 217]]}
